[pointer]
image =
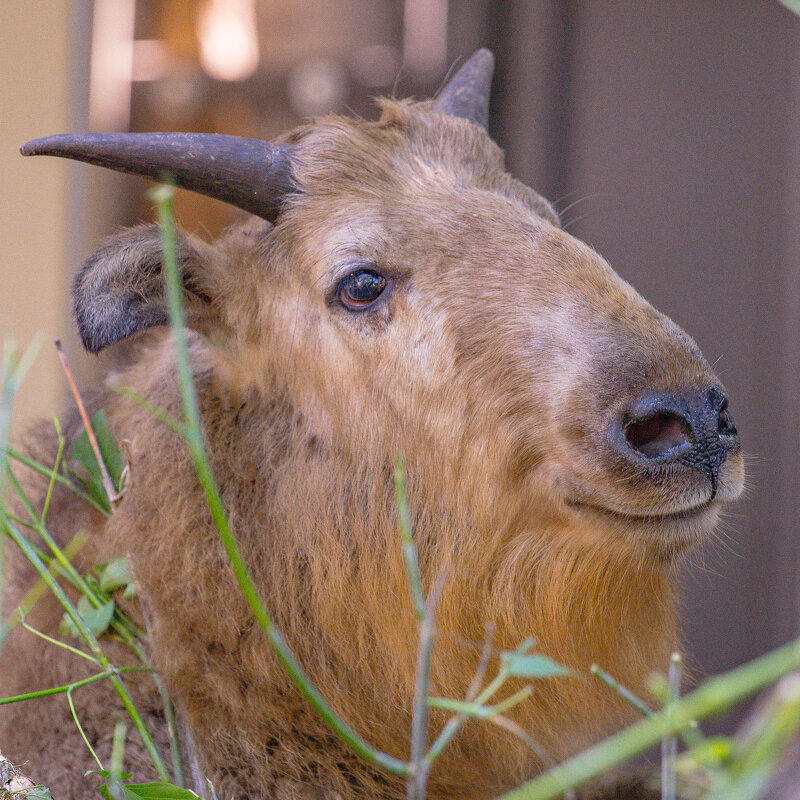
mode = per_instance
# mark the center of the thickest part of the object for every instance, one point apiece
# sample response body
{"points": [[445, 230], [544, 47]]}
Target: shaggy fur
{"points": [[492, 364]]}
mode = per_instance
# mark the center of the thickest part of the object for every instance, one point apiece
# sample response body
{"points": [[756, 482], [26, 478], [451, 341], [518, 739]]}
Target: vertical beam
{"points": [[35, 40], [535, 45], [789, 349]]}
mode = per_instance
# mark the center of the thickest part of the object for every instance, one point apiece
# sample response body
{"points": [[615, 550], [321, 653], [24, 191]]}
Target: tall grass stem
{"points": [[195, 441]]}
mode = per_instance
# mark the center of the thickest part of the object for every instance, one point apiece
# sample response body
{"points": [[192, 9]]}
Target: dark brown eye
{"points": [[360, 289]]}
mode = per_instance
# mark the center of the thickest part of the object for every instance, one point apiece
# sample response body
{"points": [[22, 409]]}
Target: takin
{"points": [[395, 294]]}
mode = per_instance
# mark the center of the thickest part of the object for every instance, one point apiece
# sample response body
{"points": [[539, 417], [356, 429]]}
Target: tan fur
{"points": [[492, 369]]}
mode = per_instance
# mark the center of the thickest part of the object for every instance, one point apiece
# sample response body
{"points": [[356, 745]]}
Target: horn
{"points": [[466, 94], [247, 173]]}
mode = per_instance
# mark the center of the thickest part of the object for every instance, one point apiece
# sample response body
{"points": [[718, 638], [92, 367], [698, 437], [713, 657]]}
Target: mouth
{"points": [[652, 518], [669, 533]]}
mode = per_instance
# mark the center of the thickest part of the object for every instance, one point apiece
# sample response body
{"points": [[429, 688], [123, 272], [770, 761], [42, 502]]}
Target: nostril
{"points": [[692, 428], [658, 433], [725, 423]]}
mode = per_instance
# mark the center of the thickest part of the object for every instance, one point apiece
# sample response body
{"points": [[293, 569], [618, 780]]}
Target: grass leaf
{"points": [[115, 574], [38, 793], [712, 752], [532, 666], [151, 791], [104, 773], [112, 457], [96, 619]]}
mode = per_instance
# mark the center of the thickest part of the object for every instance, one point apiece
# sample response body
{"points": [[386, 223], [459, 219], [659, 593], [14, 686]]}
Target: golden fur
{"points": [[492, 368]]}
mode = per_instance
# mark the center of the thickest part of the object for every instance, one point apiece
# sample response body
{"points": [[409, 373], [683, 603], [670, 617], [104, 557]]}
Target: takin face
{"points": [[401, 295]]}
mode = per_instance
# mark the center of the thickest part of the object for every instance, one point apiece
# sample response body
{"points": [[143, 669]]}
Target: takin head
{"points": [[403, 295]]}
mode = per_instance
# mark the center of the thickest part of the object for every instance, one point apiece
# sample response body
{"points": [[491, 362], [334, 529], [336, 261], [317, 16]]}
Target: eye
{"points": [[360, 289]]}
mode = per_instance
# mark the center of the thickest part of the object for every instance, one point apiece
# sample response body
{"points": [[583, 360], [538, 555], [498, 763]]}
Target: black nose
{"points": [[695, 429]]}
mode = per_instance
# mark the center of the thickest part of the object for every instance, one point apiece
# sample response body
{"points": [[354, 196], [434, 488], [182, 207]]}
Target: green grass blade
{"points": [[194, 438]]}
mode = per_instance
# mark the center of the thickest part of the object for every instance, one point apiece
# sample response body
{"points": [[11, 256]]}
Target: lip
{"points": [[669, 534], [685, 515]]}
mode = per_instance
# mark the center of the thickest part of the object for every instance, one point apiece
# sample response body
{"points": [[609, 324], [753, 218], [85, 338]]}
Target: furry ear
{"points": [[120, 290]]}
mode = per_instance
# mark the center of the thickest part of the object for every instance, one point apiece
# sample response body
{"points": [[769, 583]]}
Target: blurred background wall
{"points": [[667, 134], [35, 95]]}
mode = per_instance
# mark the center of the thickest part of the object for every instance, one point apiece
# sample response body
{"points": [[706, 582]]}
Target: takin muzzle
{"points": [[402, 295]]}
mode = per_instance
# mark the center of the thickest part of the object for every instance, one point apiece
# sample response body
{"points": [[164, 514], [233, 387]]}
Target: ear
{"points": [[120, 290]]}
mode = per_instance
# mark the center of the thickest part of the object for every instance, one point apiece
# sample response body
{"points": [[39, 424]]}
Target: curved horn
{"points": [[466, 94], [249, 174]]}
